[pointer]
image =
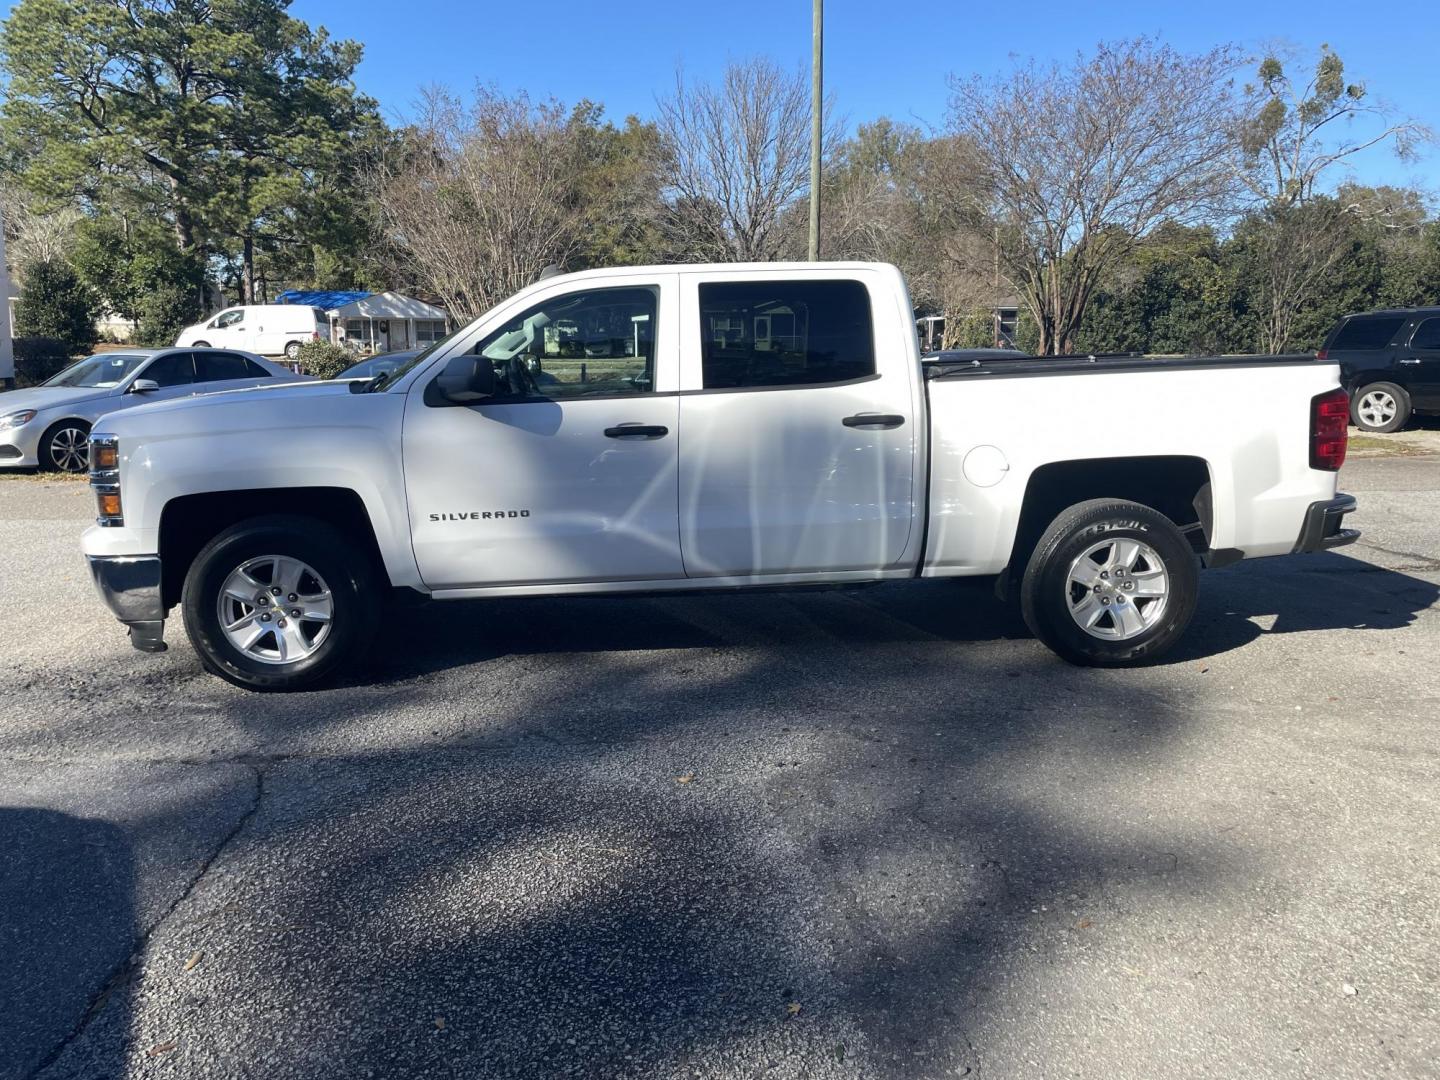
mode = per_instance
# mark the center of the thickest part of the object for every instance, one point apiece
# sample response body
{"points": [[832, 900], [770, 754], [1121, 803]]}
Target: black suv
{"points": [[1389, 363]]}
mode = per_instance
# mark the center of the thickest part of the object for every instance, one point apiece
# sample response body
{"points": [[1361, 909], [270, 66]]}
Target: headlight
{"points": [[16, 419], [105, 479]]}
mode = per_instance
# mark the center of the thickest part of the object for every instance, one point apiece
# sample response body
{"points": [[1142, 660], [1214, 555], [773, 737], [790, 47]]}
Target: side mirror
{"points": [[144, 386], [466, 379]]}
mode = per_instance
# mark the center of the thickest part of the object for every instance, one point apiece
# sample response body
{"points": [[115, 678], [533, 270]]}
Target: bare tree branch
{"points": [[736, 159], [1077, 163]]}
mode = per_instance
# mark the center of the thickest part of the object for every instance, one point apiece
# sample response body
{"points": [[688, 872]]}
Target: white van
{"points": [[267, 329]]}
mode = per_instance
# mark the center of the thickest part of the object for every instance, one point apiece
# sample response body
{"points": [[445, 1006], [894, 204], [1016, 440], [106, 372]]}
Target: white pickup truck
{"points": [[707, 427]]}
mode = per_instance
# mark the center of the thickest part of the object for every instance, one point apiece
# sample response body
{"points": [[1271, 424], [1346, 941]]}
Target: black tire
{"points": [[292, 350], [1047, 593], [200, 345], [65, 447], [1370, 400], [355, 586]]}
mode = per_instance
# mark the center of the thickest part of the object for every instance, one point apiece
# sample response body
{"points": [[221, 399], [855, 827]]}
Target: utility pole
{"points": [[7, 354], [817, 98]]}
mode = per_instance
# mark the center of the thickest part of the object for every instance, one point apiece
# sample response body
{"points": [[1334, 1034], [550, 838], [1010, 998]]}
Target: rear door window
{"points": [[172, 369], [1368, 332], [1427, 335], [213, 367], [785, 333]]}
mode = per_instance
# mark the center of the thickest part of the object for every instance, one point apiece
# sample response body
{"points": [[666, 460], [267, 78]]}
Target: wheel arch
{"points": [[1177, 486], [189, 522]]}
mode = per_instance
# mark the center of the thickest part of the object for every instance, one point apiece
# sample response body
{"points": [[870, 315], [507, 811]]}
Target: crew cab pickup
{"points": [[707, 427]]}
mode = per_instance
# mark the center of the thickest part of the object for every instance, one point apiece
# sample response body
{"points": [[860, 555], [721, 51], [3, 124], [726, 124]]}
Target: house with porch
{"points": [[375, 322]]}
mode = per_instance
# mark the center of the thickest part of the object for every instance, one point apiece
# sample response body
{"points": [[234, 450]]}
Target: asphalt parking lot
{"points": [[841, 834]]}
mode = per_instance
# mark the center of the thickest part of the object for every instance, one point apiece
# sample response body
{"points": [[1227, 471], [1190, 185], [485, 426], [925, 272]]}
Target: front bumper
{"points": [[1322, 530], [20, 447], [130, 585]]}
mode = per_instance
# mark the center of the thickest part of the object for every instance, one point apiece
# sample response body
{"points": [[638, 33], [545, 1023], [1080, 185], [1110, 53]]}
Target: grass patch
{"points": [[34, 476], [1383, 444]]}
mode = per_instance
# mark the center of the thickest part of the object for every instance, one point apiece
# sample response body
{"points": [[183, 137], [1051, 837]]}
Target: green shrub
{"points": [[165, 309], [37, 358], [138, 274], [324, 359], [55, 303]]}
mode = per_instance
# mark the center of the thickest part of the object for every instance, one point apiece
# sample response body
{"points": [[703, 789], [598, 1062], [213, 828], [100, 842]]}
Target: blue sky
{"points": [[881, 58]]}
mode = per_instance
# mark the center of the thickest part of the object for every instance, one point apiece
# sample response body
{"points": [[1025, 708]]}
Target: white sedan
{"points": [[49, 425]]}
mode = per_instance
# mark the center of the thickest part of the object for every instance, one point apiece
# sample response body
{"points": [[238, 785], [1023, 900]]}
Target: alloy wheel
{"points": [[1377, 408], [70, 449], [1117, 589], [275, 609]]}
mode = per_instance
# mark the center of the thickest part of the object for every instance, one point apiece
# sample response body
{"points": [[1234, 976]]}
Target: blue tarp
{"points": [[318, 298]]}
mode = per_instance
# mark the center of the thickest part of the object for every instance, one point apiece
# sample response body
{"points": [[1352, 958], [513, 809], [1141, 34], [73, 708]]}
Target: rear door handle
{"points": [[637, 431], [1411, 360], [873, 420]]}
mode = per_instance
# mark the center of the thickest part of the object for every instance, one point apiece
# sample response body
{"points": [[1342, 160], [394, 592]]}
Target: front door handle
{"points": [[873, 420], [1411, 360], [637, 431]]}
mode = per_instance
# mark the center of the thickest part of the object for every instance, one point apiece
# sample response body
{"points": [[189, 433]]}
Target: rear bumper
{"points": [[1322, 530], [130, 585]]}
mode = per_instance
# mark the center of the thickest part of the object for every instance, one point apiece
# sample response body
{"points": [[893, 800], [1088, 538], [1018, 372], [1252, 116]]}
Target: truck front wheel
{"points": [[1111, 583], [280, 603]]}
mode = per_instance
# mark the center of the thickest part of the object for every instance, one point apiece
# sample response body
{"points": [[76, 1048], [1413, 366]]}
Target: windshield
{"points": [[391, 378], [98, 372]]}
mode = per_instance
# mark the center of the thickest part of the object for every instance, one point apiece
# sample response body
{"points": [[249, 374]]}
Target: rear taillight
{"points": [[1329, 417], [1322, 354]]}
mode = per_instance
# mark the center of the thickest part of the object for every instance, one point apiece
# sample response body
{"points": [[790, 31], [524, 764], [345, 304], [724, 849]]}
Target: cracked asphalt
{"points": [[843, 834]]}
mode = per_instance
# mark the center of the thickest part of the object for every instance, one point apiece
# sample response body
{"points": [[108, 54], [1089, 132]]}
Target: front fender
{"points": [[239, 443]]}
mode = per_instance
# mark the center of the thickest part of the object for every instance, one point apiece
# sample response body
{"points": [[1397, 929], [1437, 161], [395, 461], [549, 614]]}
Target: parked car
{"points": [[1389, 364], [773, 427], [49, 425], [379, 365], [267, 329]]}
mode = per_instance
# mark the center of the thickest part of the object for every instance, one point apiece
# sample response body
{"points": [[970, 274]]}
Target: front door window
{"points": [[582, 345]]}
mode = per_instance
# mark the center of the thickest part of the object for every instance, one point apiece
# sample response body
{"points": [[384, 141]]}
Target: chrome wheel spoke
{"points": [[287, 575], [1086, 573], [1150, 583], [1088, 611], [247, 632], [316, 608], [241, 586], [1128, 619], [1123, 554], [290, 642]]}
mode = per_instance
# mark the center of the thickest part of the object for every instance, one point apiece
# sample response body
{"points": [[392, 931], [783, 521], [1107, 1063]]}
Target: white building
{"points": [[375, 322], [388, 321]]}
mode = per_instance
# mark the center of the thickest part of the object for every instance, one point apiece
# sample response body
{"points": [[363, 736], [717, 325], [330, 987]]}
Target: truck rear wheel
{"points": [[1110, 584], [280, 603]]}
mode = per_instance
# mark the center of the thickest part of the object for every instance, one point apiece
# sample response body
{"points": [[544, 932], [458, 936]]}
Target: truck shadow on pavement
{"points": [[739, 874], [67, 924], [1325, 591], [829, 835]]}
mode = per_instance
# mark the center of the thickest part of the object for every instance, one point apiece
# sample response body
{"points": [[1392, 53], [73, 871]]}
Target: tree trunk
{"points": [[247, 271]]}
